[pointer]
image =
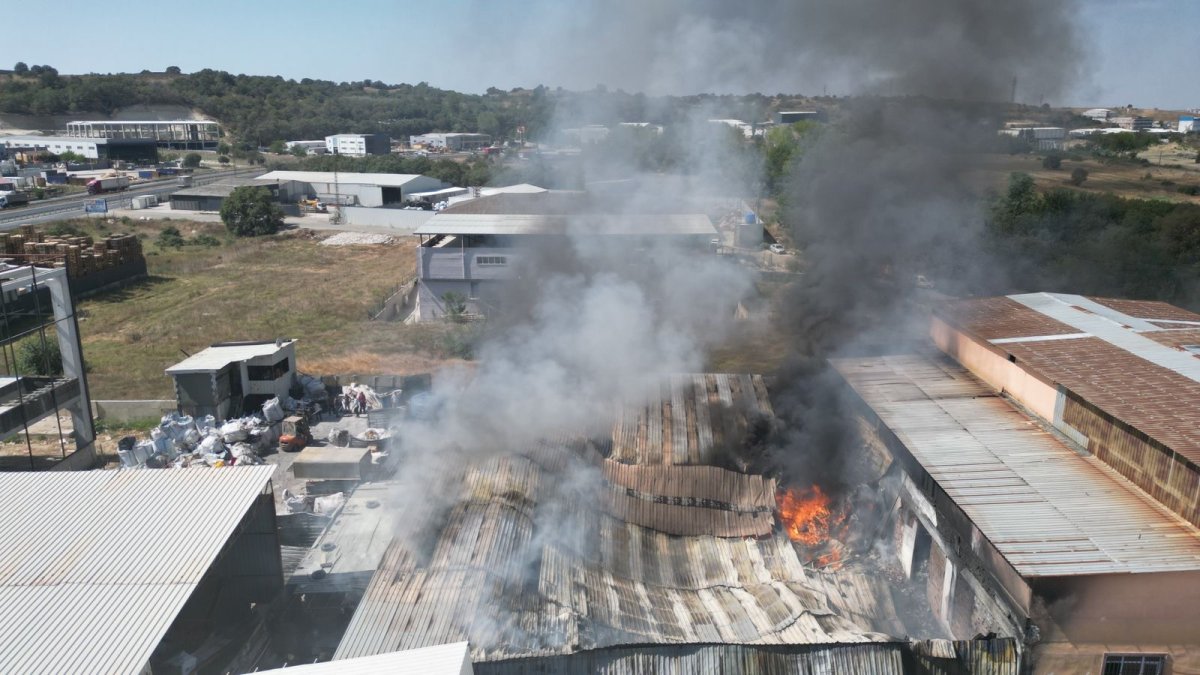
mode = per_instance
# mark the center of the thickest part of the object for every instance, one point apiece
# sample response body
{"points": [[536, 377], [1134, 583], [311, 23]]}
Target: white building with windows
{"points": [[358, 145]]}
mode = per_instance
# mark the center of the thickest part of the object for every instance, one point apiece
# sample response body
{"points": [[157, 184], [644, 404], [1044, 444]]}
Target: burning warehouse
{"points": [[636, 549], [1052, 469]]}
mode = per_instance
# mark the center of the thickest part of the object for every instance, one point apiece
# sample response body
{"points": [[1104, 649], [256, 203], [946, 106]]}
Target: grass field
{"points": [[1125, 179], [250, 289]]}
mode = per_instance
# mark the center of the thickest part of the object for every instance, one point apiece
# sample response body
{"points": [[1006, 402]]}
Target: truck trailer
{"points": [[112, 184], [8, 199]]}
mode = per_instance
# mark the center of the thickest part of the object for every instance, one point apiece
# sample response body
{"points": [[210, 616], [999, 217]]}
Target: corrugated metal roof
{"points": [[95, 565], [1047, 509], [379, 179], [582, 224], [216, 358], [979, 657], [451, 659]]}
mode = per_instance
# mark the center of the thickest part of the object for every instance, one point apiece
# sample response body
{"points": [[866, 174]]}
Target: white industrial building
{"points": [[229, 377], [359, 189], [358, 145], [456, 142], [133, 571], [315, 147], [447, 659], [132, 149], [1098, 114], [1187, 124], [176, 134]]}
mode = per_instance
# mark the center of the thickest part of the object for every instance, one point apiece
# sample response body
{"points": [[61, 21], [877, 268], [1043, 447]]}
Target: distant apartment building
{"points": [[1133, 123], [358, 145], [170, 134], [454, 142]]}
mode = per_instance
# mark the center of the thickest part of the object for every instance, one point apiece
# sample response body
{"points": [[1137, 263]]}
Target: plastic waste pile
{"points": [[321, 506], [181, 441]]}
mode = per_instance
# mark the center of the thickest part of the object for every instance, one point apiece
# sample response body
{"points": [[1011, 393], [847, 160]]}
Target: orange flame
{"points": [[805, 515]]}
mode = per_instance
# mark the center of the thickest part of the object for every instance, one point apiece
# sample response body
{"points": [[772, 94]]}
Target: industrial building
{"points": [[472, 246], [456, 142], [1043, 138], [1187, 124], [1133, 123], [357, 189], [315, 147], [37, 308], [631, 551], [212, 196], [1052, 464], [229, 377], [358, 145], [169, 134], [793, 116], [131, 572], [124, 149], [1097, 114], [449, 659]]}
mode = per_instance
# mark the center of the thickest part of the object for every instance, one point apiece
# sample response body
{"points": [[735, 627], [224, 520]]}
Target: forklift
{"points": [[296, 434]]}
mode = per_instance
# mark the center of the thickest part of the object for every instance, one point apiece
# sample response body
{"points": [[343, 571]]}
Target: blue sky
{"points": [[1141, 52]]}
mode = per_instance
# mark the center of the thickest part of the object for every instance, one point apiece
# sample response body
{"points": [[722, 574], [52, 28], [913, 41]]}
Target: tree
{"points": [[69, 156], [21, 68], [38, 357], [192, 160], [1078, 175], [222, 159], [1052, 161], [456, 306], [223, 149], [174, 70], [299, 150], [251, 211], [278, 147]]}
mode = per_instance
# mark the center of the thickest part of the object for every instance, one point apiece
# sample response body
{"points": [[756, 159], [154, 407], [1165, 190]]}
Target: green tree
{"points": [[35, 357], [456, 306], [170, 237], [299, 150], [1052, 161], [224, 149], [192, 160], [222, 160], [278, 147], [69, 156], [21, 68], [1078, 175], [251, 211], [174, 70]]}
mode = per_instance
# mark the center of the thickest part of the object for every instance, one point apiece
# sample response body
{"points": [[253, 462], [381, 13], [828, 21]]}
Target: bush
{"points": [[1192, 190], [222, 160], [251, 211], [170, 237], [1052, 162], [35, 357], [456, 306], [206, 240], [1078, 175], [192, 160]]}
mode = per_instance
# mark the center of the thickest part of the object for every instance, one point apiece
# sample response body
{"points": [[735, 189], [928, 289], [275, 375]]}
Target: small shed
{"points": [[229, 377]]}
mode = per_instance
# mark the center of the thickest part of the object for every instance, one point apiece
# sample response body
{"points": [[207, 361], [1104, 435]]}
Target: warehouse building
{"points": [[632, 552], [456, 142], [229, 377], [211, 196], [1074, 497], [357, 189], [130, 572], [169, 134], [473, 246], [793, 116], [38, 307], [1133, 122], [123, 149], [358, 145]]}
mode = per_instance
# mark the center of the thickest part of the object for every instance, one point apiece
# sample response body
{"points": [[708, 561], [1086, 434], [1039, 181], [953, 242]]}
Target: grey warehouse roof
{"points": [[379, 179], [217, 357], [95, 565], [507, 223], [1047, 509]]}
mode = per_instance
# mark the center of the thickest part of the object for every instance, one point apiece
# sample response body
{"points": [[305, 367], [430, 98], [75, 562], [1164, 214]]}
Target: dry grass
{"points": [[281, 286], [1125, 179]]}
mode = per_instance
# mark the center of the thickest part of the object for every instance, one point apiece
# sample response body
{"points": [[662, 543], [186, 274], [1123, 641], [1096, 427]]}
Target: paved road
{"points": [[71, 206]]}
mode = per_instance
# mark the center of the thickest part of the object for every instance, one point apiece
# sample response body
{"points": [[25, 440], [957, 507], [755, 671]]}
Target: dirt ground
{"points": [[1125, 179]]}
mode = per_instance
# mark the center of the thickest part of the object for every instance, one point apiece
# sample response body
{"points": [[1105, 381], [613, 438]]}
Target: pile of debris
{"points": [[356, 239], [181, 441]]}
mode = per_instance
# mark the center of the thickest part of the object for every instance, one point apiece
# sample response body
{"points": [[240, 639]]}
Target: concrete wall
{"points": [[130, 411], [404, 221], [995, 369]]}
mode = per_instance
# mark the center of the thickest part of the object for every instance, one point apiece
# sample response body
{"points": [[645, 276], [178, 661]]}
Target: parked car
{"points": [[778, 248]]}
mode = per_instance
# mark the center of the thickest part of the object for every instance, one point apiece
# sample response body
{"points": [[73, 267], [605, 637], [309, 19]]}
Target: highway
{"points": [[71, 206]]}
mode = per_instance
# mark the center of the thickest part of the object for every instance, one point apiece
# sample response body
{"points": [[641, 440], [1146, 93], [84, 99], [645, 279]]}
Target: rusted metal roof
{"points": [[95, 565], [1137, 361], [1047, 509]]}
